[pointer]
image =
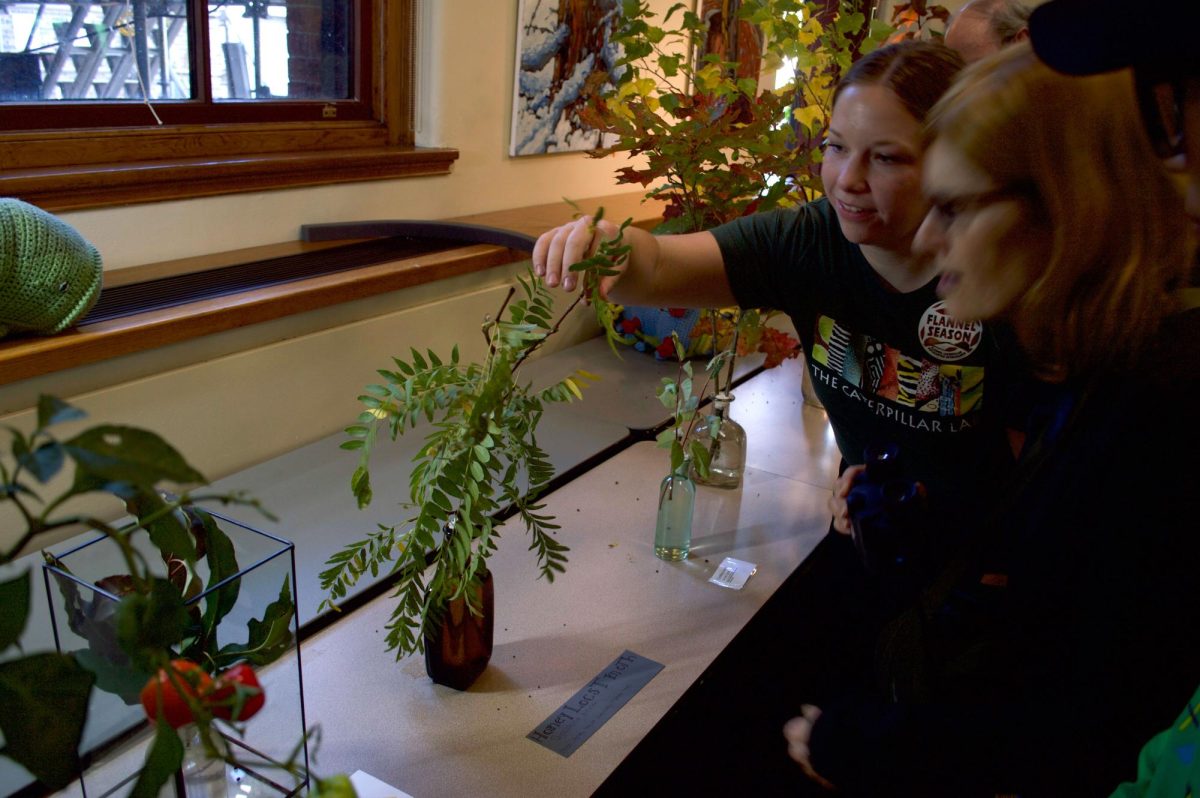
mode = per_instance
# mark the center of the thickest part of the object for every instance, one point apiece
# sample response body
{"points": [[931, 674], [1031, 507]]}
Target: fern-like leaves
{"points": [[479, 456]]}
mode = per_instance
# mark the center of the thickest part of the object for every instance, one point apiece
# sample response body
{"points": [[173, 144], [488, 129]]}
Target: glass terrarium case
{"points": [[247, 616]]}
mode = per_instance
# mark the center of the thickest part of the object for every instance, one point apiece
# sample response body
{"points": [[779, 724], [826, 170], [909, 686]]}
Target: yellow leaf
{"points": [[619, 110], [643, 87], [708, 77], [811, 117], [573, 388]]}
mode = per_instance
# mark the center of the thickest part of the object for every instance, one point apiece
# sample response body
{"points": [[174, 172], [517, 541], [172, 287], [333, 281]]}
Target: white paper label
{"points": [[733, 573]]}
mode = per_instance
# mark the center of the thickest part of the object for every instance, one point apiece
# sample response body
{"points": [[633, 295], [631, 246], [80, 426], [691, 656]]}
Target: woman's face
{"points": [[985, 244], [872, 168]]}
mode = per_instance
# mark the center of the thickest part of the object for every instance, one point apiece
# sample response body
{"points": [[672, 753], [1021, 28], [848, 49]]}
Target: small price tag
{"points": [[733, 573]]}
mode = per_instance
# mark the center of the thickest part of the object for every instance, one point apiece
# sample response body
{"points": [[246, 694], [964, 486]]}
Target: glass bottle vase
{"points": [[458, 651], [203, 775], [673, 530], [725, 440]]}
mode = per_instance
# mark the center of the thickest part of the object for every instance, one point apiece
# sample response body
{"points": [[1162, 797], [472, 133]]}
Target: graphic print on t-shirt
{"points": [[879, 371], [945, 337]]}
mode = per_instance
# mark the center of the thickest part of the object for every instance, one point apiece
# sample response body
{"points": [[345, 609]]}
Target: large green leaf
{"points": [[222, 564], [169, 531], [148, 623], [119, 678], [44, 462], [52, 410], [162, 760], [360, 485], [14, 598], [43, 706], [117, 453], [270, 637]]}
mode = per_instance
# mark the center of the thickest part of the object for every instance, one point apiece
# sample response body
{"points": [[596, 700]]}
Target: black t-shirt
{"points": [[889, 367], [1044, 662]]}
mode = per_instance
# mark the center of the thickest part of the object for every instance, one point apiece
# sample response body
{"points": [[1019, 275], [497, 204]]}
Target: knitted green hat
{"points": [[49, 275]]}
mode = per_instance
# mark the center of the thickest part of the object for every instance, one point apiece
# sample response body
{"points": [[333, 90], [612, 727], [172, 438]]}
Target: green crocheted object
{"points": [[49, 274]]}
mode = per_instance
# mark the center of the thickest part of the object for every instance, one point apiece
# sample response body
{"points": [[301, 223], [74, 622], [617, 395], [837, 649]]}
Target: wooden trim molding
{"points": [[75, 187], [25, 358]]}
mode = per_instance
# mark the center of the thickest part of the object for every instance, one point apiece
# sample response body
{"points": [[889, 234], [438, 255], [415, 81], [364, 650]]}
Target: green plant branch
{"points": [[527, 352], [733, 346], [34, 528], [499, 315]]}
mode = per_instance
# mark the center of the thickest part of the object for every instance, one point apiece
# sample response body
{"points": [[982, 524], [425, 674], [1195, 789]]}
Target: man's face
{"points": [[971, 34]]}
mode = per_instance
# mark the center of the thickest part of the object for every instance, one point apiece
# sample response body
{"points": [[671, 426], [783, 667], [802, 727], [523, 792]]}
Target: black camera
{"points": [[888, 516]]}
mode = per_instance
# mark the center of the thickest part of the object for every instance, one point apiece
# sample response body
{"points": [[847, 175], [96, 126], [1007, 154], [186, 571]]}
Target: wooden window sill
{"points": [[61, 188], [24, 358]]}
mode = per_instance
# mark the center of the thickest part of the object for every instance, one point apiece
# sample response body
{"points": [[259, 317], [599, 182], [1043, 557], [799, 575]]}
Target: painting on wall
{"points": [[559, 44]]}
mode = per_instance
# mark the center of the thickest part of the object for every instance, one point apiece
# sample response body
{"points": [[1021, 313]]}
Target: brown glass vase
{"points": [[458, 651]]}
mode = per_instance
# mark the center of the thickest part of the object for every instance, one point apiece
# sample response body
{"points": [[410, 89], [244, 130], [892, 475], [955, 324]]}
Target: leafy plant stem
{"points": [[486, 327], [34, 528], [733, 347], [524, 355]]}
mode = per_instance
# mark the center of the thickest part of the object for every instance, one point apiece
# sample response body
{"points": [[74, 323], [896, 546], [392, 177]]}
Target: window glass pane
{"points": [[286, 49], [94, 51]]}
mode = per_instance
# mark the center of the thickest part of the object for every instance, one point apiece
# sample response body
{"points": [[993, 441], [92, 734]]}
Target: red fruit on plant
{"points": [[236, 694], [191, 678]]}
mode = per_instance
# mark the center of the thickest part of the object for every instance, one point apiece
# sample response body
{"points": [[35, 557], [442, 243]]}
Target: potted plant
{"points": [[151, 631], [480, 461], [714, 146]]}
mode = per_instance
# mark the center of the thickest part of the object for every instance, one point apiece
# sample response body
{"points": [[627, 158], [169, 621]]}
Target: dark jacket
{"points": [[1066, 634]]}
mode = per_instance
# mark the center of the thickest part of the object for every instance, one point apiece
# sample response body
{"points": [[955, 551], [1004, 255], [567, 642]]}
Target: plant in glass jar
{"points": [[152, 626], [480, 459], [677, 493], [733, 334]]}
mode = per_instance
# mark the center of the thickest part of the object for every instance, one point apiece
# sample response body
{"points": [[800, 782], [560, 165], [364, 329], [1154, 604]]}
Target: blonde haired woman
{"points": [[1056, 643]]}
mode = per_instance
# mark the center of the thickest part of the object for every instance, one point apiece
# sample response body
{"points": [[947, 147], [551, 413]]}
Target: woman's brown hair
{"points": [[1075, 150], [917, 72]]}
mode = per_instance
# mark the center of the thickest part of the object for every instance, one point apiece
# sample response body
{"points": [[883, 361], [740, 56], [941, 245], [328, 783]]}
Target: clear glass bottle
{"points": [[676, 501], [203, 775], [725, 440]]}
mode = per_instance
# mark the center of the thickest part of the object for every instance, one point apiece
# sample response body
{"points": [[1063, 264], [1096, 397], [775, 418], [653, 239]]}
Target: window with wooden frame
{"points": [[106, 102]]}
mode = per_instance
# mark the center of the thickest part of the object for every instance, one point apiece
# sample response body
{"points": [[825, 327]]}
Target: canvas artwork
{"points": [[559, 44]]}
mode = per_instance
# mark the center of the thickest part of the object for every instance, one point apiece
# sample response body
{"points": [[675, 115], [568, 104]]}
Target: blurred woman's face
{"points": [[872, 168], [985, 244]]}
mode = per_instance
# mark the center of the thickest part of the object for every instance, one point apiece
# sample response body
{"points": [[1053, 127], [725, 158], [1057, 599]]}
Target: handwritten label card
{"points": [[574, 722]]}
